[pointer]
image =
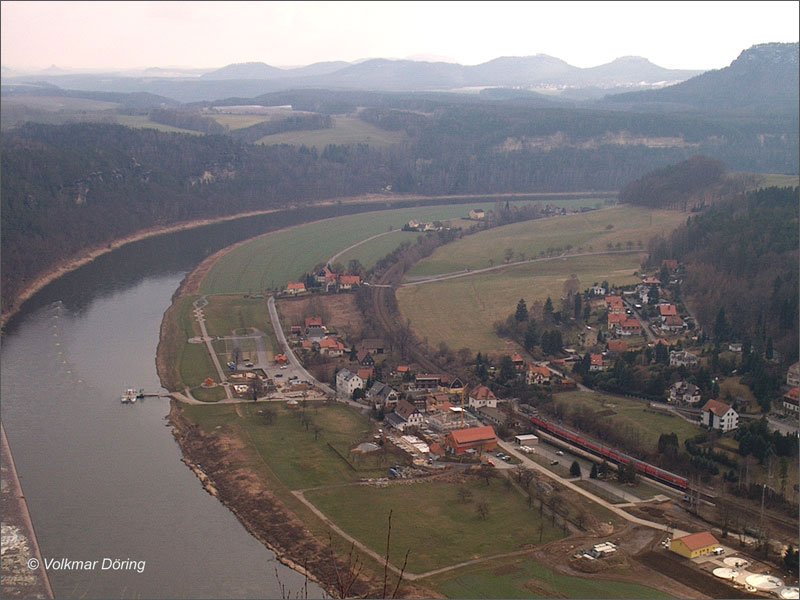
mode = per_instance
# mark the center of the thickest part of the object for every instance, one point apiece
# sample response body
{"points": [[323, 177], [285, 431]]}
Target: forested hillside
{"points": [[742, 259]]}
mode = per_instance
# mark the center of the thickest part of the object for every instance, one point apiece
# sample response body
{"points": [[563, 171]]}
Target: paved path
{"points": [[510, 449], [468, 272], [201, 320], [336, 256]]}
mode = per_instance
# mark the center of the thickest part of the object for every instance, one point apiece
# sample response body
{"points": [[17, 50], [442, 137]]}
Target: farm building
{"points": [[482, 439], [694, 545]]}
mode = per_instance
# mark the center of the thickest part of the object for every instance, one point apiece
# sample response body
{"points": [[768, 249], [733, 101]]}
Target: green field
{"points": [[461, 312], [429, 520], [144, 122], [588, 232], [370, 252], [269, 261], [524, 578], [345, 130], [227, 314], [770, 179], [632, 415], [58, 103], [234, 122]]}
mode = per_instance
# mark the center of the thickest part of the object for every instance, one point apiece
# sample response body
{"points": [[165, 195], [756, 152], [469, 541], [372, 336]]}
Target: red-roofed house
{"points": [[537, 375], [651, 281], [482, 396], [295, 287], [617, 346], [331, 347], [694, 545], [518, 361], [718, 415], [615, 304], [667, 310], [597, 363], [615, 319], [347, 282], [629, 327], [314, 322], [672, 323], [481, 439], [670, 263], [365, 373], [791, 401]]}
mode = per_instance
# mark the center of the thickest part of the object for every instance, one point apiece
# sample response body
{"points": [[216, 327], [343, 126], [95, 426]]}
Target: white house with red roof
{"points": [[482, 396], [718, 415], [537, 375], [295, 287]]}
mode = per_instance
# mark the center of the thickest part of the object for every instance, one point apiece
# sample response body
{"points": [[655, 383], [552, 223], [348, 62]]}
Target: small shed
{"points": [[527, 439]]}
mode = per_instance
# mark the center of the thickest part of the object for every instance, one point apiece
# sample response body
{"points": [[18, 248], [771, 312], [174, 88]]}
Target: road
{"points": [[336, 256], [468, 272], [296, 364], [511, 449], [201, 320]]}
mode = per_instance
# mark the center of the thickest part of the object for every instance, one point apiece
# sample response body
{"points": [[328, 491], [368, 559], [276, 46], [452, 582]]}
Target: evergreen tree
{"points": [[593, 472], [531, 339], [522, 311]]}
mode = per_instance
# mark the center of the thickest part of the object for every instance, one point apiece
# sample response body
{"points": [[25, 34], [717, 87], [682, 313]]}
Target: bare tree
{"points": [[482, 508]]}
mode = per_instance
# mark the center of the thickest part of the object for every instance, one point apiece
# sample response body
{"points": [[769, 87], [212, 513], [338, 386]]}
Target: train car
{"points": [[611, 454]]}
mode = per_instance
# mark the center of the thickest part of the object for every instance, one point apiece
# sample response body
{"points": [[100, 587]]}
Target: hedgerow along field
{"points": [[461, 312], [271, 260], [630, 226]]}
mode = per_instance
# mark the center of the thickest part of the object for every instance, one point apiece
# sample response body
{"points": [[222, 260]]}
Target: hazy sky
{"points": [[692, 35]]}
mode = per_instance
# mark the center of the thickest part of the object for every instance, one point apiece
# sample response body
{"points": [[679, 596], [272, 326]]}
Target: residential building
{"points": [[364, 358], [482, 396], [295, 287], [347, 282], [477, 439], [597, 290], [629, 327], [493, 415], [718, 415], [597, 363], [694, 545], [347, 382], [537, 375], [791, 401], [682, 391], [331, 347], [314, 322], [365, 372], [427, 381], [518, 361], [673, 324], [374, 346], [793, 375], [667, 310], [382, 396], [410, 414], [682, 358], [615, 304]]}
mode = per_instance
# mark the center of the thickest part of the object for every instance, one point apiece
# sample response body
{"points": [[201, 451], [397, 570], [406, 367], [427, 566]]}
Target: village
{"points": [[437, 422]]}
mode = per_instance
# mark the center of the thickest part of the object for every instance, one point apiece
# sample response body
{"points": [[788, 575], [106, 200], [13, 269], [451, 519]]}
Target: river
{"points": [[102, 479]]}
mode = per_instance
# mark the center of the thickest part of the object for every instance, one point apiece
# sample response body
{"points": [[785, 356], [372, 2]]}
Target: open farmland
{"points": [[629, 226], [631, 415], [345, 130], [144, 122], [461, 312], [452, 531], [269, 261]]}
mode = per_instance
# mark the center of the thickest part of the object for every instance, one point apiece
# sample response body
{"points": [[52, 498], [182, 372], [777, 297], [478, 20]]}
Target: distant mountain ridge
{"points": [[379, 74], [762, 78]]}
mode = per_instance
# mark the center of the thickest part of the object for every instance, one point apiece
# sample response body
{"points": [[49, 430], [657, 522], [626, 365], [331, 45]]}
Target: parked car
{"points": [[553, 462], [559, 453]]}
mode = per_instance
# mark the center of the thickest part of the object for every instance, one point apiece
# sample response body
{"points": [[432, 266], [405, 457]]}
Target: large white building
{"points": [[718, 415], [348, 382]]}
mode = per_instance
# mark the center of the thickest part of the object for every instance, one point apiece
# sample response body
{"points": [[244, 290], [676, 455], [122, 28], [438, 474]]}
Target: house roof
{"points": [[696, 541], [617, 345], [313, 321], [651, 281], [403, 368], [430, 376], [673, 321], [517, 358], [373, 343], [330, 342], [365, 373], [793, 394], [349, 280], [717, 407], [537, 370], [630, 324], [666, 310], [597, 360], [405, 409], [295, 285], [616, 318], [362, 354], [473, 434], [615, 302], [482, 393]]}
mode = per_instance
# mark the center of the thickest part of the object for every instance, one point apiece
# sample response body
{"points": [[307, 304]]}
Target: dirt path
{"points": [[336, 256]]}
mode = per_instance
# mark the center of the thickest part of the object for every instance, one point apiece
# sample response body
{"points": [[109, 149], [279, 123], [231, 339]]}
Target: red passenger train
{"points": [[611, 454]]}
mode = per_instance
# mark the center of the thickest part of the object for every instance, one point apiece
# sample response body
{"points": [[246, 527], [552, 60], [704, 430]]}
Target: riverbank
{"points": [[266, 518], [23, 572], [60, 269]]}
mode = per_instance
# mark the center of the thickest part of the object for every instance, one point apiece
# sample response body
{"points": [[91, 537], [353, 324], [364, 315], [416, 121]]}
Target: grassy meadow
{"points": [[345, 130], [461, 312], [523, 578], [446, 531], [591, 231], [632, 415]]}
